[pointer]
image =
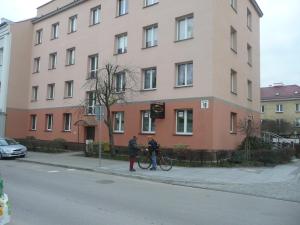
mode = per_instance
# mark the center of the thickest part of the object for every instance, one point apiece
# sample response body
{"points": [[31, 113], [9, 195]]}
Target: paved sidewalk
{"points": [[280, 182]]}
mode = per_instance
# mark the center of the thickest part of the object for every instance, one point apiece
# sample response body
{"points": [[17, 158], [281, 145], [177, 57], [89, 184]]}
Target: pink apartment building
{"points": [[200, 58]]}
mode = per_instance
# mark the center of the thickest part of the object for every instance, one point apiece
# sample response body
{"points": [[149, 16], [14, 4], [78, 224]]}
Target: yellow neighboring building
{"points": [[282, 102]]}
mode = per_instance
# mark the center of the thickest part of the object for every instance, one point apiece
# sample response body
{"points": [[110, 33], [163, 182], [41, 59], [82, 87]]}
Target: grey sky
{"points": [[280, 35]]}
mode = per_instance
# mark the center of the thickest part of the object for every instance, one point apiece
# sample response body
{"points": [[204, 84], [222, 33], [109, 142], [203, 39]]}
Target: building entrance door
{"points": [[90, 133]]}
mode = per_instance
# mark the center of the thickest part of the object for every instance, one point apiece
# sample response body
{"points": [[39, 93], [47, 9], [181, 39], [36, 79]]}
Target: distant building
{"points": [[282, 102], [200, 58]]}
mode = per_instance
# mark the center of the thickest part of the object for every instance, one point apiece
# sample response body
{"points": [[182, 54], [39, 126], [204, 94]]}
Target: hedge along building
{"points": [[201, 60]]}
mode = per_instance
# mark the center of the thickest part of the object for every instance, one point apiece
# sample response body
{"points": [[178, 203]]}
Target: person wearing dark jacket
{"points": [[153, 150], [133, 151]]}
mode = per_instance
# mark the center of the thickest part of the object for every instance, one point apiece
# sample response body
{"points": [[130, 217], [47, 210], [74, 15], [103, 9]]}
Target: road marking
{"points": [[71, 170], [53, 171]]}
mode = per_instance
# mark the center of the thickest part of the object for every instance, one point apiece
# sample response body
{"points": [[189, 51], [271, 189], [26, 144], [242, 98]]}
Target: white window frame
{"points": [[70, 56], [122, 84], [95, 15], [153, 75], [49, 122], [151, 123], [233, 39], [36, 64], [33, 122], [249, 53], [186, 19], [250, 90], [73, 24], [298, 107], [233, 123], [69, 86], [233, 82], [122, 7], [34, 93], [150, 2], [50, 91], [119, 119], [186, 65], [279, 108], [54, 31], [121, 43], [150, 36], [39, 37], [93, 66], [52, 61], [91, 108], [184, 113], [67, 122]]}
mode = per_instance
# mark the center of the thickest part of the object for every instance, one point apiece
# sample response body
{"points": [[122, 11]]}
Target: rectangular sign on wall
{"points": [[157, 110]]}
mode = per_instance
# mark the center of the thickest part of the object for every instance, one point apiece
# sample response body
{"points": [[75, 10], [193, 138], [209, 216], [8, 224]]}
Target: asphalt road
{"points": [[43, 195]]}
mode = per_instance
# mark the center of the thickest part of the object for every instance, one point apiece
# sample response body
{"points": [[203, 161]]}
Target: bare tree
{"points": [[280, 127], [112, 84]]}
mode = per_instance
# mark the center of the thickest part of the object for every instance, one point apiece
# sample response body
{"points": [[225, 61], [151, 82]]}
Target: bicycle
{"points": [[144, 161]]}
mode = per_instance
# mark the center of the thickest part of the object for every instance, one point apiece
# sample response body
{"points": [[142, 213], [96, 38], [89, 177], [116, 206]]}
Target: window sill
{"points": [[148, 90], [36, 72], [52, 69], [184, 86], [184, 134], [149, 47], [249, 99], [52, 39], [147, 133], [72, 32], [48, 131], [68, 97], [278, 112], [33, 130], [249, 64], [233, 132], [121, 15], [250, 29], [37, 44], [118, 132], [49, 99], [234, 51], [115, 54], [147, 6], [234, 93], [234, 9], [67, 131], [89, 114], [95, 24], [70, 64], [32, 101], [182, 40]]}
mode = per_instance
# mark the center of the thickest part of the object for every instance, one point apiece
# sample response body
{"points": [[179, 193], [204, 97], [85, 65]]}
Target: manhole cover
{"points": [[105, 182]]}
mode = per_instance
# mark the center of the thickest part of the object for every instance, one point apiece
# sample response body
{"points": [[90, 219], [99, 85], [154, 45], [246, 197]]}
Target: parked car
{"points": [[4, 206], [10, 148]]}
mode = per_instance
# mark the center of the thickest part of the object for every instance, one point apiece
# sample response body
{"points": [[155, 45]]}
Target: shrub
{"points": [[58, 143], [255, 143], [297, 149]]}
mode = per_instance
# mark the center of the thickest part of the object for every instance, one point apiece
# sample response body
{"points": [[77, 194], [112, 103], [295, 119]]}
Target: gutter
{"points": [[257, 8]]}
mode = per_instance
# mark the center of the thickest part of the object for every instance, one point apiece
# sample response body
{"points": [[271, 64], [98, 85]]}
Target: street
{"points": [[46, 195]]}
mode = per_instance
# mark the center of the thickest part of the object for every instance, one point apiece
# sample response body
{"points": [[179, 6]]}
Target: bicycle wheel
{"points": [[165, 163], [144, 161]]}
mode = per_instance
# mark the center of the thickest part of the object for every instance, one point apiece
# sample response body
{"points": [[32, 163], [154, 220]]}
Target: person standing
{"points": [[153, 150], [133, 150]]}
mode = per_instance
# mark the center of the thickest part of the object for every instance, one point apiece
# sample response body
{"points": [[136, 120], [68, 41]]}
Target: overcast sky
{"points": [[280, 35]]}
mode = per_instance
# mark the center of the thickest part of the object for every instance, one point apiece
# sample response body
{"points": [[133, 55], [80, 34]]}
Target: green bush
{"points": [[58, 143]]}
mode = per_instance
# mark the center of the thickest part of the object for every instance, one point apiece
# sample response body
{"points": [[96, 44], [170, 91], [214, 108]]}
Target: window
{"points": [[297, 124], [262, 109], [249, 19], [33, 122], [150, 2], [233, 4], [279, 108], [93, 66], [119, 82], [121, 43], [34, 93], [122, 7], [50, 91], [184, 122], [69, 89], [233, 82], [70, 56], [1, 56], [52, 61], [204, 104], [54, 31], [73, 24], [184, 27], [233, 39], [149, 79], [150, 38], [184, 74], [49, 122], [249, 51], [249, 84], [91, 103], [233, 123], [119, 122], [38, 36], [36, 65], [297, 107], [67, 121], [148, 124], [95, 15]]}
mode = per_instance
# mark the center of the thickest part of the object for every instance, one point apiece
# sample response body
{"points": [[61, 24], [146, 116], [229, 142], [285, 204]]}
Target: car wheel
{"points": [[22, 156]]}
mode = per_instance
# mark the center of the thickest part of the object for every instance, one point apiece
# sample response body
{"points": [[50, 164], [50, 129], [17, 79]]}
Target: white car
{"points": [[4, 210], [10, 148]]}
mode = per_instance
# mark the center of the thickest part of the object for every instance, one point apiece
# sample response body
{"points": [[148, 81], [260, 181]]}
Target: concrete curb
{"points": [[165, 181]]}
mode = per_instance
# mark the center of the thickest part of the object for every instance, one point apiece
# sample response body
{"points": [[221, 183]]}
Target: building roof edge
{"points": [[257, 8]]}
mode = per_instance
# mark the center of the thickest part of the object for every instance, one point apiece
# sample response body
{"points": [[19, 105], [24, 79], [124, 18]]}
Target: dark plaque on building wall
{"points": [[157, 110]]}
